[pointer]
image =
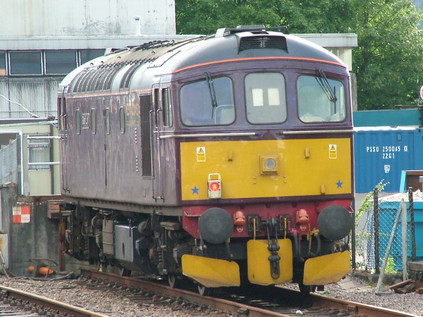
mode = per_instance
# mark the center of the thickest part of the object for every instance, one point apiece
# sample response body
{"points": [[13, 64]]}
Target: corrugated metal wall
{"points": [[25, 97], [87, 17], [9, 163]]}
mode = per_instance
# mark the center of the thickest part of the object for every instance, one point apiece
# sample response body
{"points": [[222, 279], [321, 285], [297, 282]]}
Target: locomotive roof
{"points": [[115, 70]]}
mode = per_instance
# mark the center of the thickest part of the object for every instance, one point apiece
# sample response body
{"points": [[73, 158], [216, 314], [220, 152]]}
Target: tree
{"points": [[300, 16], [389, 60]]}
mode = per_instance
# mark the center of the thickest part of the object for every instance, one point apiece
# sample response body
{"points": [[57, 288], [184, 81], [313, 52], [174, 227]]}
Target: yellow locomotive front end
{"points": [[299, 178], [266, 168]]}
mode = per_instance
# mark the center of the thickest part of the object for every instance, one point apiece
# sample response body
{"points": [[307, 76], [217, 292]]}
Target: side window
{"points": [[265, 98], [122, 120], [93, 121], [145, 107], [107, 120], [320, 99], [63, 119], [167, 108], [78, 118], [208, 102], [156, 101]]}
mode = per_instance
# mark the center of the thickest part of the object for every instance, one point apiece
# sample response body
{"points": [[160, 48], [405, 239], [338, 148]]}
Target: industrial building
{"points": [[39, 45]]}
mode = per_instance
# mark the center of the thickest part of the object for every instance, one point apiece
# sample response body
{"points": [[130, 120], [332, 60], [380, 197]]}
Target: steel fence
{"points": [[387, 226]]}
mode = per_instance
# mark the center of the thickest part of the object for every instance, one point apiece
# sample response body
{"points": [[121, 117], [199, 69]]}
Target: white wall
{"points": [[27, 18]]}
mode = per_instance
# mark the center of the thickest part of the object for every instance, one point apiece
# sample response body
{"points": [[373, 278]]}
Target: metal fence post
{"points": [[412, 225], [353, 246], [404, 240], [389, 247], [376, 227]]}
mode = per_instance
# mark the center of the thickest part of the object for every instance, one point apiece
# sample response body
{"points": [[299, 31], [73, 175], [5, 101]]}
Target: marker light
{"points": [[239, 220], [302, 219], [214, 185]]}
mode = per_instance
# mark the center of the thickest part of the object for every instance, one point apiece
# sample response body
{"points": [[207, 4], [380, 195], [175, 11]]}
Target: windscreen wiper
{"points": [[324, 84], [211, 90]]}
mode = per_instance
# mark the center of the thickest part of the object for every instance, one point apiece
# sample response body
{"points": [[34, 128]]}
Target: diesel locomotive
{"points": [[225, 159]]}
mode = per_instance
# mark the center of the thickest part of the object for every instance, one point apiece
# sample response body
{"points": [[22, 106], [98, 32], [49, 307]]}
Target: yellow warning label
{"points": [[333, 151], [201, 154]]}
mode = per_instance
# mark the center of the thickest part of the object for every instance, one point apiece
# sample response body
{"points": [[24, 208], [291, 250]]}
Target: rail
{"points": [[48, 303]]}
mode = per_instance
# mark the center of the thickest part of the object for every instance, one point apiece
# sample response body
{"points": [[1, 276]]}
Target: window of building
{"points": [[265, 98], [87, 55], [48, 62], [2, 63], [25, 63], [39, 152], [60, 62]]}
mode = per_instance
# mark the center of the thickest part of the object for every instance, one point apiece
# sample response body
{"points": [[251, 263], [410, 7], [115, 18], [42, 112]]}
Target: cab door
{"points": [[163, 120], [63, 128], [158, 194]]}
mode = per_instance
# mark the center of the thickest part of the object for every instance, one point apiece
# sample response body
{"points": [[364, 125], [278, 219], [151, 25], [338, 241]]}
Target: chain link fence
{"points": [[387, 231]]}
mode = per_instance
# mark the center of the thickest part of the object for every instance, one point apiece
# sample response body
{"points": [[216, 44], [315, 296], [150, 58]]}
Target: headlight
{"points": [[269, 164]]}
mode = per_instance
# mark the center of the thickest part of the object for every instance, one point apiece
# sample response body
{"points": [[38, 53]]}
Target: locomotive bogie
{"points": [[225, 159]]}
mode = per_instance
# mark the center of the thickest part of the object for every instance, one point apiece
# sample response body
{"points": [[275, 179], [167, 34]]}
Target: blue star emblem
{"points": [[339, 184], [195, 190]]}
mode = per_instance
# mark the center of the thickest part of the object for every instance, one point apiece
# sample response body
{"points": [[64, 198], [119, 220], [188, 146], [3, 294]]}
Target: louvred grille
{"points": [[256, 42]]}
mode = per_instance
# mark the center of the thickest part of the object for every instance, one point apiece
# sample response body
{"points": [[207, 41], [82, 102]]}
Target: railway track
{"points": [[257, 302], [20, 303]]}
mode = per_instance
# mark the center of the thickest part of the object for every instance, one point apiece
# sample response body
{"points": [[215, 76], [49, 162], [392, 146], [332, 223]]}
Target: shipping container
{"points": [[382, 153]]}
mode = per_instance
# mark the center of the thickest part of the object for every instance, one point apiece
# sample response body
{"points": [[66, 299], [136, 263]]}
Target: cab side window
{"points": [[320, 99], [167, 108], [208, 102]]}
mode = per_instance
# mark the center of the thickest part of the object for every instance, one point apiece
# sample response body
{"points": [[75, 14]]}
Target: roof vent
{"points": [[256, 29], [263, 41]]}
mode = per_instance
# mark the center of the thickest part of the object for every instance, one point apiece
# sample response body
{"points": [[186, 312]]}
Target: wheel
{"points": [[173, 280], [102, 267], [125, 272], [204, 291], [306, 289]]}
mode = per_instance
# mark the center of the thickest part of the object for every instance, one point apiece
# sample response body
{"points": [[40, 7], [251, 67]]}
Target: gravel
{"points": [[113, 300], [109, 299], [361, 290]]}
